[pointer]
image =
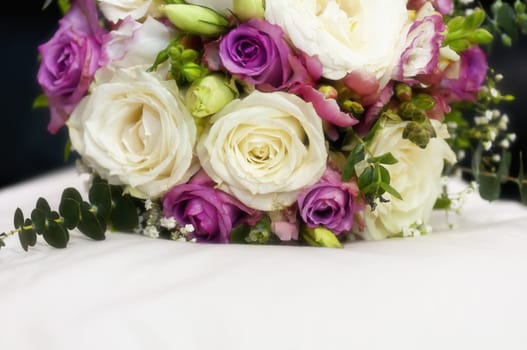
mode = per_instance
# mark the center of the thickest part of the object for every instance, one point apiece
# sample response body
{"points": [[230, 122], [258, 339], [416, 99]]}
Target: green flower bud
{"points": [[321, 237], [247, 9], [192, 71], [196, 19], [419, 133], [328, 91], [210, 94], [353, 107], [403, 92]]}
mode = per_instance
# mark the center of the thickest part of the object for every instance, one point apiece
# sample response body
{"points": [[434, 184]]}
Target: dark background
{"points": [[28, 150]]}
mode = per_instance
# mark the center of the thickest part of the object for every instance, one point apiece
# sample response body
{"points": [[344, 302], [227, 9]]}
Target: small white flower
{"points": [[148, 204], [487, 145], [494, 92], [505, 144], [481, 120], [511, 137], [151, 231], [168, 223], [492, 135], [488, 114], [499, 77], [189, 228], [496, 158]]}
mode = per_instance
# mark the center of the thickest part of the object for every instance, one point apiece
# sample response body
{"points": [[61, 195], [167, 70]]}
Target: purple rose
{"points": [[472, 72], [257, 53], [213, 213], [329, 203], [69, 60]]}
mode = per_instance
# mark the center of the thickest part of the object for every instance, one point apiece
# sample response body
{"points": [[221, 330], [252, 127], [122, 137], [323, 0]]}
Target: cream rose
{"points": [[115, 10], [345, 35], [264, 149], [416, 176], [134, 130]]}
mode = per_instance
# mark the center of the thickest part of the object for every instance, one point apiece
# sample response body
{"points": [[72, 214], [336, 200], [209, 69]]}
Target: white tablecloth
{"points": [[453, 289]]}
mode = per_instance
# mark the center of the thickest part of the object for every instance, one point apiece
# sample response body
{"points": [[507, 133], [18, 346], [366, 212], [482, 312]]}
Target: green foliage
{"points": [[257, 234], [320, 237], [185, 66], [108, 207], [464, 32], [40, 102]]}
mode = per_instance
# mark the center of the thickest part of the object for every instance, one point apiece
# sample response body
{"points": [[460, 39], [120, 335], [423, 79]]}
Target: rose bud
{"points": [[247, 9], [195, 19], [209, 94]]}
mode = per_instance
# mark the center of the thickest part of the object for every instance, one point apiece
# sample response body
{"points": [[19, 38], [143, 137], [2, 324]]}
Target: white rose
{"points": [[134, 43], [416, 176], [134, 130], [264, 149], [115, 10], [345, 35]]}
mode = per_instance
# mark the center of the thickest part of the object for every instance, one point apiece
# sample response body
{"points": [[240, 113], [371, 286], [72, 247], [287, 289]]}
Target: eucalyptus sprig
{"points": [[107, 208]]}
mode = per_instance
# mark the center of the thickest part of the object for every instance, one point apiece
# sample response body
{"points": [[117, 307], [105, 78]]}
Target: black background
{"points": [[28, 150]]}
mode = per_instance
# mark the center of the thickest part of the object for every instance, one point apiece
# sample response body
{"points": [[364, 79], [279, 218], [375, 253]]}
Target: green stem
{"points": [[487, 173]]}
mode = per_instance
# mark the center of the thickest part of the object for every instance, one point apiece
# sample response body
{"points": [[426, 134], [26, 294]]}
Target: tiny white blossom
{"points": [[148, 204], [168, 223], [461, 154], [188, 228], [505, 144], [492, 135], [487, 145], [488, 114], [452, 125], [511, 137], [151, 231], [494, 92], [498, 77], [481, 120], [496, 158]]}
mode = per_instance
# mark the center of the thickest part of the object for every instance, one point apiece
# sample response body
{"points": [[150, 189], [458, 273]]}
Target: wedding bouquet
{"points": [[272, 122]]}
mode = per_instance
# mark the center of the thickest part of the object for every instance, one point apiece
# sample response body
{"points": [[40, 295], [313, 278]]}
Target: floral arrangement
{"points": [[272, 122]]}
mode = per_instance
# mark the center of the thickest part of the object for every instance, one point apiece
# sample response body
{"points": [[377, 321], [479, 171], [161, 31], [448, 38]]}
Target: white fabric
{"points": [[453, 289]]}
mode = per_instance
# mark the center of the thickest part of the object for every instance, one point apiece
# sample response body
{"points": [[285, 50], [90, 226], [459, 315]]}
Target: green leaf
{"points": [[43, 205], [455, 23], [386, 158], [64, 5], [71, 212], [39, 219], [476, 160], [443, 202], [505, 165], [90, 225], [67, 150], [356, 155], [505, 19], [239, 233], [388, 188], [56, 236], [124, 213], [40, 102], [18, 219], [367, 178], [71, 193], [474, 20], [101, 198], [489, 187], [27, 238]]}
